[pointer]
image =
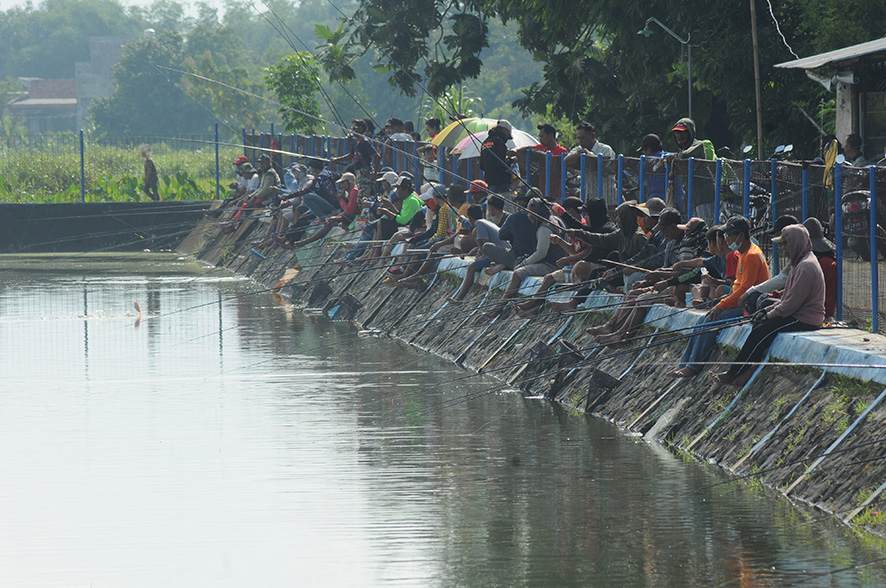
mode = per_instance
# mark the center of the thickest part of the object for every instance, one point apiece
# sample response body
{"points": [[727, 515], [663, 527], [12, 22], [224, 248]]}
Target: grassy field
{"points": [[51, 174]]}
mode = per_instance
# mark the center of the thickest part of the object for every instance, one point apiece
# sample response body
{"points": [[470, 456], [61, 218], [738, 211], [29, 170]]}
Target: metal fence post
{"points": [[291, 148], [440, 167], [562, 177], [245, 152], [454, 168], [773, 200], [548, 174], [804, 191], [468, 171], [599, 176], [217, 168], [418, 164], [621, 182], [82, 167], [582, 184], [690, 188], [528, 170], [746, 210], [718, 178], [875, 278], [641, 177], [838, 235]]}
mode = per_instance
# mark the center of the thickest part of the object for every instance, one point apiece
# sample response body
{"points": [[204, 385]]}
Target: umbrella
{"points": [[470, 145], [460, 129]]}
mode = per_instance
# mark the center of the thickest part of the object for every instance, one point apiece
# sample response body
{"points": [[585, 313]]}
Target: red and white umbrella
{"points": [[470, 146]]}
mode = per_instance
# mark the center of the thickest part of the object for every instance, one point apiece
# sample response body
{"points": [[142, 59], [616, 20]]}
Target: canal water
{"points": [[227, 439]]}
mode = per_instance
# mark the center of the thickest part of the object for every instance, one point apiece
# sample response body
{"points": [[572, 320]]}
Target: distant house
{"points": [[857, 75], [49, 106]]}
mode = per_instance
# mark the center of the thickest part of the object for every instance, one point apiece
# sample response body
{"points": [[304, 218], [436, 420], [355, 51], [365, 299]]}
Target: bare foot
{"points": [[723, 378], [493, 269], [522, 311], [685, 372], [563, 306]]}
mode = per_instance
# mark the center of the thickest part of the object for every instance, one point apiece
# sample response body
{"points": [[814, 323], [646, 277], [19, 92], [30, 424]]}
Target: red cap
{"points": [[680, 127], [241, 159], [478, 186]]}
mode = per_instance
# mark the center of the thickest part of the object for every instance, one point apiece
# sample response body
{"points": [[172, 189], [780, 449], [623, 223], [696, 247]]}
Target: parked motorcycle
{"points": [[856, 208]]}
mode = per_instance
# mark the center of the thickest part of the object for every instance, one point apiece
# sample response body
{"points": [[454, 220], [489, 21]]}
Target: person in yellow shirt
{"points": [[752, 270]]}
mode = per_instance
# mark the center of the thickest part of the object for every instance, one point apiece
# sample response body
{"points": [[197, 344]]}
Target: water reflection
{"points": [[232, 441]]}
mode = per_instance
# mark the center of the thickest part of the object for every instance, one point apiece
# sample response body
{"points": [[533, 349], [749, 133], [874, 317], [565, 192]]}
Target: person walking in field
{"points": [[152, 180]]}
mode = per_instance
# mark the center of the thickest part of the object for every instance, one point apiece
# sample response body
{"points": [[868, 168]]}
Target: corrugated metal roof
{"points": [[833, 57], [44, 102]]}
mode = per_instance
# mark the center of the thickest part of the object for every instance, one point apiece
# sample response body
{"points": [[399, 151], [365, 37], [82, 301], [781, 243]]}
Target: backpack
{"points": [[709, 152]]}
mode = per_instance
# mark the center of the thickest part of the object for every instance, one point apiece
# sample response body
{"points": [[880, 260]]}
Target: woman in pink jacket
{"points": [[801, 307]]}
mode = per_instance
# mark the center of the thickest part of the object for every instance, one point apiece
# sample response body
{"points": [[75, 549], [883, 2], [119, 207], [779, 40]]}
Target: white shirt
{"points": [[598, 148]]}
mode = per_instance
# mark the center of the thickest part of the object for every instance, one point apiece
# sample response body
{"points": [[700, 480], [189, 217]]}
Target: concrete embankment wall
{"points": [[814, 434], [99, 226]]}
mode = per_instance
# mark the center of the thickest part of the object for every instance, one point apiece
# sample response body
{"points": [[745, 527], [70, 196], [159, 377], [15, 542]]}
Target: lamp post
{"points": [[685, 43]]}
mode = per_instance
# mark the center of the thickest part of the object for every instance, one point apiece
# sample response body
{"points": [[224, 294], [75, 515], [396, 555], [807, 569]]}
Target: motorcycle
{"points": [[856, 208]]}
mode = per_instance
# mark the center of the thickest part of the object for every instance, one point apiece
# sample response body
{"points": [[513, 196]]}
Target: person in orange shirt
{"points": [[752, 269]]}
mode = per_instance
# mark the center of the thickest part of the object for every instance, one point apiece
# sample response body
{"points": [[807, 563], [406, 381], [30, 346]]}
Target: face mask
{"points": [[734, 246]]}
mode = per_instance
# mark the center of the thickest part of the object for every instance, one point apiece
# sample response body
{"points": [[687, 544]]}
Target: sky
{"points": [[7, 4]]}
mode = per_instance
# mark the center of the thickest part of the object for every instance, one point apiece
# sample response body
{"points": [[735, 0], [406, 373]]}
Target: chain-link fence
{"points": [[48, 169]]}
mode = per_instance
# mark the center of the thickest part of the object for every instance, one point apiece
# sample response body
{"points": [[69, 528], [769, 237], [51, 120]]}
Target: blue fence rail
{"points": [[714, 190], [760, 190]]}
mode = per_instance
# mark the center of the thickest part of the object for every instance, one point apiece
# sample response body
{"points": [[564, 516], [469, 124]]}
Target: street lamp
{"points": [[647, 32]]}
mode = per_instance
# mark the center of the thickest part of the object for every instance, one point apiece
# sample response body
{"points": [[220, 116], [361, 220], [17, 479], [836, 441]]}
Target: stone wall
{"points": [[816, 435]]}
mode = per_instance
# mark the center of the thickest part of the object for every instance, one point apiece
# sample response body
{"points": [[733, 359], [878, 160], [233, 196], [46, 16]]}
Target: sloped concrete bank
{"points": [[811, 424]]}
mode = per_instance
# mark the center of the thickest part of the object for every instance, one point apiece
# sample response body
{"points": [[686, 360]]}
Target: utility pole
{"points": [[757, 80]]}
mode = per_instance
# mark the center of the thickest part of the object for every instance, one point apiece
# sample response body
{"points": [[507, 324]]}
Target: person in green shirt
{"points": [[395, 215]]}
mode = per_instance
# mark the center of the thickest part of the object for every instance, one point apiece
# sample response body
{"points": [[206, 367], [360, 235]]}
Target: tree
{"points": [[596, 67], [150, 96], [294, 81]]}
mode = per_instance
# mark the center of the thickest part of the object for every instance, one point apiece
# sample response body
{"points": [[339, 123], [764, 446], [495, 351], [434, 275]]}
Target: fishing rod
{"points": [[582, 363]]}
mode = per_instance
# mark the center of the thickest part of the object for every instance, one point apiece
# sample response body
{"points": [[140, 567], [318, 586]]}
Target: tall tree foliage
{"points": [[597, 67], [148, 98], [294, 80]]}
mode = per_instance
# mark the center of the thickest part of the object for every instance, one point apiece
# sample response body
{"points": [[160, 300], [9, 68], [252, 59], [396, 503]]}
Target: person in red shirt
{"points": [[824, 251], [547, 142]]}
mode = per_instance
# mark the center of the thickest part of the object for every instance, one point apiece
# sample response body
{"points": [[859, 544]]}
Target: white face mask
{"points": [[734, 246]]}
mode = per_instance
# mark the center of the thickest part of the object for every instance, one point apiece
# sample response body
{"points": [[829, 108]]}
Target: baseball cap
{"points": [[737, 224], [781, 222], [680, 127], [429, 190], [478, 186], [241, 159], [651, 207], [504, 123], [390, 177], [403, 181], [669, 216], [347, 177]]}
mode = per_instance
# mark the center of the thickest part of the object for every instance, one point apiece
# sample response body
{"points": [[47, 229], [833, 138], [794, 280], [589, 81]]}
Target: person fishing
{"points": [[752, 269], [801, 307]]}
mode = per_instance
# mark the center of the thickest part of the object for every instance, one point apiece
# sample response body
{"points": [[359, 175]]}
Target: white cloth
{"points": [[598, 148]]}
